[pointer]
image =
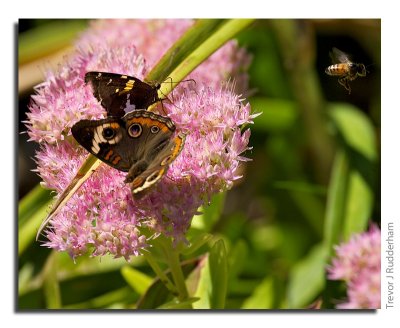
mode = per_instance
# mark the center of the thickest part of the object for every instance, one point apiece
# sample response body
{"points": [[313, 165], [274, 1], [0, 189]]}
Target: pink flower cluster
{"points": [[358, 263], [152, 38], [101, 217]]}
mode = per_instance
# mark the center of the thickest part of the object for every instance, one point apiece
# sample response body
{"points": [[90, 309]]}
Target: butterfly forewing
{"points": [[119, 94]]}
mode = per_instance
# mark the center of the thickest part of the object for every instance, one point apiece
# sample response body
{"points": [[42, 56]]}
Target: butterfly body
{"points": [[141, 143]]}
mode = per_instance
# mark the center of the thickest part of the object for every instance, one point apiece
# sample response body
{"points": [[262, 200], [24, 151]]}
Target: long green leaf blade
{"points": [[139, 281], [307, 278], [226, 32], [262, 297], [212, 285], [51, 285], [31, 202], [193, 38], [357, 136], [336, 203]]}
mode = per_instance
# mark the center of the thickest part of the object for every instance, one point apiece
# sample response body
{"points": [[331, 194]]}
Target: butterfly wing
{"points": [[158, 149], [139, 143], [105, 140], [123, 142], [142, 182], [119, 94]]}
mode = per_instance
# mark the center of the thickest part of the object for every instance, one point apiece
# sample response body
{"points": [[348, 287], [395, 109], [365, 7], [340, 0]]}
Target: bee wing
{"points": [[339, 56]]}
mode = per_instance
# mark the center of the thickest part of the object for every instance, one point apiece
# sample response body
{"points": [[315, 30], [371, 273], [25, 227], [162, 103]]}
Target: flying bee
{"points": [[344, 68]]}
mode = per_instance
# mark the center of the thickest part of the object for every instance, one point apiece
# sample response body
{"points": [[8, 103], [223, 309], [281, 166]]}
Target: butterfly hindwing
{"points": [[102, 138], [141, 181], [140, 143]]}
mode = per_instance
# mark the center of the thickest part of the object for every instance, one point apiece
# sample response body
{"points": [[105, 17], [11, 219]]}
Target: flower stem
{"points": [[159, 272], [176, 271], [164, 247]]}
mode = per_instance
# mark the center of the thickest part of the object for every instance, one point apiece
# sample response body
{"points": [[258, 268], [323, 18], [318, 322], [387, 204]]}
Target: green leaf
{"points": [[222, 31], [219, 274], [139, 281], [354, 128], [87, 266], [28, 230], [262, 296], [306, 197], [193, 38], [204, 288], [336, 202], [25, 275], [213, 280], [359, 206], [307, 278], [238, 252], [155, 296], [67, 270], [31, 202], [357, 137], [48, 38], [114, 299], [51, 285]]}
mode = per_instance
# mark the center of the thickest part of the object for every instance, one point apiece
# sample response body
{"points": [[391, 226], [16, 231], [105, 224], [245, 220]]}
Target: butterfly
{"points": [[140, 143], [119, 94], [130, 139]]}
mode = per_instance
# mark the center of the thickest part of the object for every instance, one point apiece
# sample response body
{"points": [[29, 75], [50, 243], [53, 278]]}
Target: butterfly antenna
{"points": [[172, 92], [172, 82]]}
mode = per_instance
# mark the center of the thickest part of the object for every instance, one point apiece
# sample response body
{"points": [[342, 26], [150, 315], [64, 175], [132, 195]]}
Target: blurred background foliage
{"points": [[314, 179]]}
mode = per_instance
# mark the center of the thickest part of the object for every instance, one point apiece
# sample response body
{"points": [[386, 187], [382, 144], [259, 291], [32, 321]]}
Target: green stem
{"points": [[159, 272], [163, 246], [192, 39], [223, 31], [176, 271]]}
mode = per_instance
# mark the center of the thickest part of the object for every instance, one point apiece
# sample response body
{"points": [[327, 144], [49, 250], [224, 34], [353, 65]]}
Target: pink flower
{"points": [[358, 263], [151, 37], [101, 217]]}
